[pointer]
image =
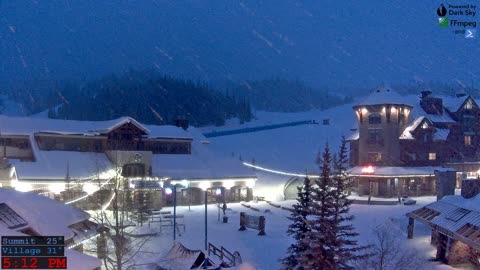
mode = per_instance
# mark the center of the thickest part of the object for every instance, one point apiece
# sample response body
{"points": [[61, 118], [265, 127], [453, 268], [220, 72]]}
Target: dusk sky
{"points": [[338, 44]]}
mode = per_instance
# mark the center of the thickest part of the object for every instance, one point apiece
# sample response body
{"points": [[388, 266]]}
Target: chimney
{"points": [[431, 104], [426, 93], [445, 180], [181, 122]]}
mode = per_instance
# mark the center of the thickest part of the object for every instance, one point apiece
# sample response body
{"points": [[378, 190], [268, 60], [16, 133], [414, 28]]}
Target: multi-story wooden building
{"points": [[401, 141], [49, 155]]}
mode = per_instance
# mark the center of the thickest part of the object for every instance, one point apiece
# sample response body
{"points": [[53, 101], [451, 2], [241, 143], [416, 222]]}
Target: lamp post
{"points": [[204, 186], [206, 231], [174, 212]]}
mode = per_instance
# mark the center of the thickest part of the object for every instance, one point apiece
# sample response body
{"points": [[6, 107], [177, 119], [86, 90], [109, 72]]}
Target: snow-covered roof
{"points": [[452, 215], [76, 260], [395, 171], [407, 133], [52, 165], [454, 103], [43, 215], [180, 258], [441, 134], [30, 125], [202, 163], [383, 95], [355, 135]]}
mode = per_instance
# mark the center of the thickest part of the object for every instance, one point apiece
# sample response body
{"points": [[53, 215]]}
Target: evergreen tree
{"points": [[299, 226], [346, 249], [320, 253]]}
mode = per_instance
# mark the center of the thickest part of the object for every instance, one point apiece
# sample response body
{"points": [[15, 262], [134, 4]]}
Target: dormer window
{"points": [[468, 105], [374, 119]]}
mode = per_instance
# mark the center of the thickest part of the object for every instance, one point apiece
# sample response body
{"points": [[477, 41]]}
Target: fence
{"points": [[255, 129], [253, 222], [222, 253]]}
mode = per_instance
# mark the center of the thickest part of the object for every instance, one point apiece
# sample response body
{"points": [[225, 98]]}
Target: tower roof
{"points": [[382, 95]]}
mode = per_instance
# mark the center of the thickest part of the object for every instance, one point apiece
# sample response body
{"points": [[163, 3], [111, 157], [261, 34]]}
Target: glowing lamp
{"points": [[393, 110], [218, 191], [364, 110], [250, 183], [168, 191], [368, 170], [204, 185], [90, 188]]}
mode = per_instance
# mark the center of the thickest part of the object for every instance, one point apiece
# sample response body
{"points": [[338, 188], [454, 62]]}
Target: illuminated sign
{"points": [[368, 170]]}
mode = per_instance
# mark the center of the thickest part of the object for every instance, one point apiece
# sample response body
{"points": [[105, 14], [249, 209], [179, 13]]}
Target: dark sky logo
{"points": [[441, 10]]}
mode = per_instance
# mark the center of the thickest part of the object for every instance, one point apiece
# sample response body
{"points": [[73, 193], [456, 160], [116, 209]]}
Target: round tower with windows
{"points": [[382, 117]]}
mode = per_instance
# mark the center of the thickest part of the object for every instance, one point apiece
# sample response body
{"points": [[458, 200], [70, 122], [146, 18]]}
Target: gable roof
{"points": [[453, 104], [28, 125]]}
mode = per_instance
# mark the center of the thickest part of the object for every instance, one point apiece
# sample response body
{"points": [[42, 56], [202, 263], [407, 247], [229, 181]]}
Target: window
{"points": [[374, 157], [458, 214], [468, 140], [375, 136], [133, 170], [375, 119], [427, 137], [468, 105], [432, 156]]}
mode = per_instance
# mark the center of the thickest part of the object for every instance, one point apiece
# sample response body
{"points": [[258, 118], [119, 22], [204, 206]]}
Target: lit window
{"points": [[468, 105], [468, 140], [425, 125], [432, 156]]}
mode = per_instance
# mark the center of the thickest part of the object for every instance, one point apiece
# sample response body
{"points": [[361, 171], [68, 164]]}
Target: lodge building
{"points": [[67, 159], [402, 145]]}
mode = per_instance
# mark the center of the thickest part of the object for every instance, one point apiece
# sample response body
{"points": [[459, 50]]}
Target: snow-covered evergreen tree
{"points": [[320, 253], [299, 226], [346, 248]]}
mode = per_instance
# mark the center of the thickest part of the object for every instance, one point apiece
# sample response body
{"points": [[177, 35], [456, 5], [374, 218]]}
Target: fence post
{"points": [[261, 225], [242, 221]]}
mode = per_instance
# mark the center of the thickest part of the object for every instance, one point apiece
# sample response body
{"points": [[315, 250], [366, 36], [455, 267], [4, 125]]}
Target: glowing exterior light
{"points": [[56, 188], [218, 191], [364, 110], [250, 183], [425, 126], [90, 188], [228, 184], [204, 185], [393, 109], [368, 170], [168, 191], [23, 187], [383, 109]]}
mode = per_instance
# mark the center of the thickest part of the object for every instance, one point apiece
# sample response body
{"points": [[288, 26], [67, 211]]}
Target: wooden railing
{"points": [[224, 255]]}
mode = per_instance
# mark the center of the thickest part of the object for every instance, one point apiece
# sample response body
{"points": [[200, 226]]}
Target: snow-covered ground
{"points": [[265, 251]]}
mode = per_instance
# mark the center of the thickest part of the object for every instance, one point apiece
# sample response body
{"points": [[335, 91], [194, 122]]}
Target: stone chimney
{"points": [[431, 104], [181, 122], [470, 187]]}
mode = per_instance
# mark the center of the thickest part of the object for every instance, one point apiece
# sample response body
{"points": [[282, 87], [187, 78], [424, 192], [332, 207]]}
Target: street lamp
{"points": [[204, 186], [169, 191]]}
